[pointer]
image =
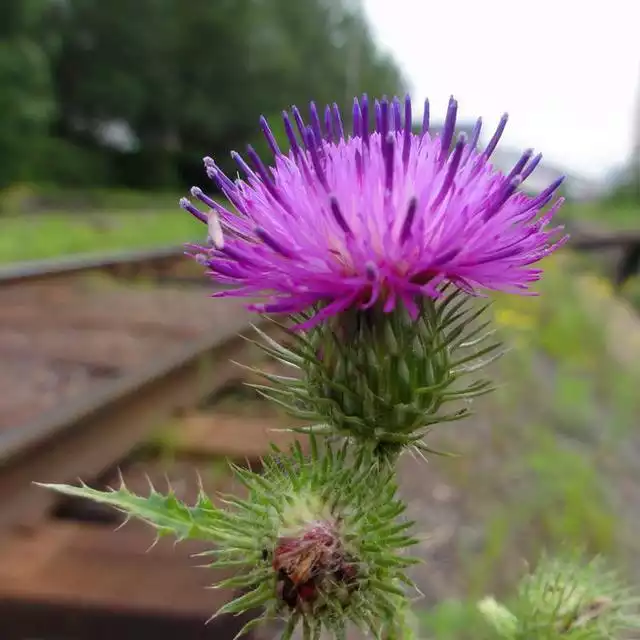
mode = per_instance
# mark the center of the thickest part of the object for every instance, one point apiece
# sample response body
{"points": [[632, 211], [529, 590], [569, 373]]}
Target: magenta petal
{"points": [[376, 217]]}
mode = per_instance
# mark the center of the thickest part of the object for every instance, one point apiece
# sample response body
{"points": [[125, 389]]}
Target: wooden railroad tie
{"points": [[65, 579]]}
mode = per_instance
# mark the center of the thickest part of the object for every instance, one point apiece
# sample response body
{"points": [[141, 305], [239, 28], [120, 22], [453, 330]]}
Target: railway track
{"points": [[91, 369], [621, 249]]}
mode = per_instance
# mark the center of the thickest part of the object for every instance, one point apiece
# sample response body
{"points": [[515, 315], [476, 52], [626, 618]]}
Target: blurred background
{"points": [[112, 355]]}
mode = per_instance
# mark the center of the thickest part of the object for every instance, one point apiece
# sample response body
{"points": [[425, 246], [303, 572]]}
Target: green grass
{"points": [[607, 215], [29, 199], [36, 237]]}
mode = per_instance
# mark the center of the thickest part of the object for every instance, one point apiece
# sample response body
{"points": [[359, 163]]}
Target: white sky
{"points": [[566, 71]]}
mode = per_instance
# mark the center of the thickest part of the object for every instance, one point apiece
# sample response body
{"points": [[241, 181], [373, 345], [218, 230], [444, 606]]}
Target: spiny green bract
{"points": [[382, 379], [566, 599], [294, 491]]}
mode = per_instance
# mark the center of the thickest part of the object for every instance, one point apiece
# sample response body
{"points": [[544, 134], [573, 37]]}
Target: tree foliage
{"points": [[26, 94], [135, 93]]}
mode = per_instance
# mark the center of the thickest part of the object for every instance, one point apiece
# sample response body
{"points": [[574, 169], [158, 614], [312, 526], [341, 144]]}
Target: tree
{"points": [[187, 79], [26, 100]]}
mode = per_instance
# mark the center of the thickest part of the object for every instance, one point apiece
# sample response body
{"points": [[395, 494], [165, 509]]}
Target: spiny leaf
{"points": [[259, 596], [250, 626], [164, 512]]}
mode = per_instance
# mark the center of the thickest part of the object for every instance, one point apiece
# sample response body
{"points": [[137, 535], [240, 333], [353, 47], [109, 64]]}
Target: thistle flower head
{"points": [[323, 542], [317, 542], [378, 216], [566, 599], [313, 562]]}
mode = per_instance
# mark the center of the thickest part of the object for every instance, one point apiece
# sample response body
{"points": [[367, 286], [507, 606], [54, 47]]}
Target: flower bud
{"points": [[499, 617], [318, 541], [383, 379], [565, 599]]}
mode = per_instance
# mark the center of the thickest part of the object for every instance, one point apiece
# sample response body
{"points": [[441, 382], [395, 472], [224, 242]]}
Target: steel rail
{"points": [[35, 270], [627, 243], [585, 241], [85, 438]]}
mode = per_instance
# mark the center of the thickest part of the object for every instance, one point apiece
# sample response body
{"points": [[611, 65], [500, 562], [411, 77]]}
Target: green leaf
{"points": [[164, 512], [259, 596]]}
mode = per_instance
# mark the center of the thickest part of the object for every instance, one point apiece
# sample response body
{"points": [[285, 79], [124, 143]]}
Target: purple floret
{"points": [[383, 216]]}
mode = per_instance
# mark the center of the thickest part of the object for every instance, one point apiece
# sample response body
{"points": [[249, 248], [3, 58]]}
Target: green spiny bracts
{"points": [[317, 541], [382, 379], [565, 599]]}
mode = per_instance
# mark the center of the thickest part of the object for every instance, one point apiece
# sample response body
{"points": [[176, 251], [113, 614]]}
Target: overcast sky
{"points": [[566, 71]]}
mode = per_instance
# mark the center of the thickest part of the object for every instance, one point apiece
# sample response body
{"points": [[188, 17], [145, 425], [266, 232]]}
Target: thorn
{"points": [[153, 544], [200, 483], [212, 618], [121, 479], [121, 525]]}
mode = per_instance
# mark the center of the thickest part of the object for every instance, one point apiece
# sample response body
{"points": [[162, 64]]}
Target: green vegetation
{"points": [[605, 214], [54, 235], [551, 448], [29, 199]]}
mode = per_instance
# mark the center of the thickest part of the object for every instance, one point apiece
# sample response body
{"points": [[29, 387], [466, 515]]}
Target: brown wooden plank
{"points": [[85, 565], [21, 620], [76, 581], [233, 436], [83, 582]]}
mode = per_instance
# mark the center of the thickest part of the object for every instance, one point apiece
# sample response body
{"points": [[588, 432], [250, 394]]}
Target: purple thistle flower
{"points": [[352, 217]]}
